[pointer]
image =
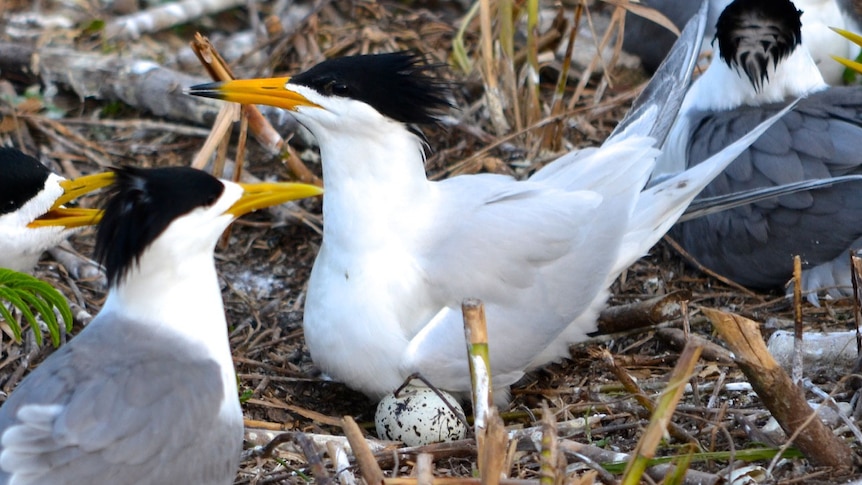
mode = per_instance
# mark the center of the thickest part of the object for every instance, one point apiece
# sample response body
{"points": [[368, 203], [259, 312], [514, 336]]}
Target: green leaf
{"points": [[33, 297]]}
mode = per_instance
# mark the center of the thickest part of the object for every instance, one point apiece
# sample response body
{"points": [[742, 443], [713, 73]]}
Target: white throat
{"points": [[722, 88]]}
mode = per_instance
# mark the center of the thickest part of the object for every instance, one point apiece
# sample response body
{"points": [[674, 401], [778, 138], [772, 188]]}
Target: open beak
{"points": [[270, 92], [74, 188], [260, 195], [70, 217], [855, 38]]}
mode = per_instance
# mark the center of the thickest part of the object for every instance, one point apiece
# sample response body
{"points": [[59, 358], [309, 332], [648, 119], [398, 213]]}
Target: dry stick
{"points": [[641, 314], [599, 455], [660, 420], [338, 456], [632, 388], [490, 432], [313, 458], [711, 351], [553, 133], [796, 367], [781, 397], [239, 162], [855, 275], [493, 93], [371, 472], [548, 456], [456, 481], [476, 333], [424, 469], [220, 132]]}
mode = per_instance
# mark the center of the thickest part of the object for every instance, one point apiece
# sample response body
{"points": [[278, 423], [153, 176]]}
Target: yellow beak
{"points": [[68, 217], [258, 196], [72, 189], [857, 39], [269, 91]]}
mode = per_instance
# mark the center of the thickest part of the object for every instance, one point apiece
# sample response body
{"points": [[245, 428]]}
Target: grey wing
{"points": [[96, 412], [754, 244]]}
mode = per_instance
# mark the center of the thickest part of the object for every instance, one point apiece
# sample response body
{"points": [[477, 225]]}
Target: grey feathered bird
{"points": [[760, 68], [146, 393], [651, 42]]}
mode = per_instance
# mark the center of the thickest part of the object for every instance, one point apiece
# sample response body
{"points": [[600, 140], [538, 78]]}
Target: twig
{"points": [[660, 420], [476, 334], [785, 400], [424, 469], [259, 126], [641, 314], [796, 372], [711, 351], [371, 472]]}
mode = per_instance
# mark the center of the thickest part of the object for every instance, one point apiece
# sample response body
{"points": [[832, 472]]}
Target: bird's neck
{"points": [[723, 88], [175, 296], [370, 178]]}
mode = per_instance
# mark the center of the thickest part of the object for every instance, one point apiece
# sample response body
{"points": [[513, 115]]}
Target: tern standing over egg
{"points": [[400, 252], [146, 393]]}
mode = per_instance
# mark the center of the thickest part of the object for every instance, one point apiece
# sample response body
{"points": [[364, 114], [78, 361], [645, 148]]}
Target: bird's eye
{"points": [[338, 89]]}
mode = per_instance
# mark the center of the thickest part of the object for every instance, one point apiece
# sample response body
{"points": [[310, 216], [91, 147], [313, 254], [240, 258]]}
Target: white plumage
{"points": [[400, 253]]}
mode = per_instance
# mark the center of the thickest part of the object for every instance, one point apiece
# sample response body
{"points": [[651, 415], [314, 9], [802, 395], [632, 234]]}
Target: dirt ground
{"points": [[265, 260]]}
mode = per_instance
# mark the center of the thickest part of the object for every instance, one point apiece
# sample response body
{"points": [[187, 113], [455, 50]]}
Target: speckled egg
{"points": [[419, 417]]}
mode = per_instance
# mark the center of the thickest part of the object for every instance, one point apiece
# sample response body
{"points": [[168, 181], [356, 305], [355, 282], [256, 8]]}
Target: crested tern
{"points": [[396, 261], [760, 67], [32, 216], [651, 42], [146, 393]]}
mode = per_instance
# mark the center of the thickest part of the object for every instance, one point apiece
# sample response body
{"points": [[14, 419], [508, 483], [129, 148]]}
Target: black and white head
{"points": [[168, 215], [760, 60], [349, 94], [756, 35], [32, 218]]}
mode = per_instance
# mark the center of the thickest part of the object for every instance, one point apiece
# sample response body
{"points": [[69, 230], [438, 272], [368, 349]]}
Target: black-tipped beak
{"points": [[268, 91]]}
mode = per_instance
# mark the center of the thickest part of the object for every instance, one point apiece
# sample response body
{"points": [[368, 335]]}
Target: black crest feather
{"points": [[754, 33], [140, 205], [21, 178], [398, 85]]}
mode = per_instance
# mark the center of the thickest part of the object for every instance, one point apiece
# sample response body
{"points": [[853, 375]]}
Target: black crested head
{"points": [[140, 205], [754, 33], [21, 178], [398, 85]]}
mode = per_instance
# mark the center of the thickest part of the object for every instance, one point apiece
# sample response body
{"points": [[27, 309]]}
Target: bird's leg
{"points": [[429, 385]]}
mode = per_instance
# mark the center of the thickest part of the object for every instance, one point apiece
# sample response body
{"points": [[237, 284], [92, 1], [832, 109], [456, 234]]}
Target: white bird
{"points": [[146, 393], [760, 69], [651, 41], [32, 216], [400, 252]]}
